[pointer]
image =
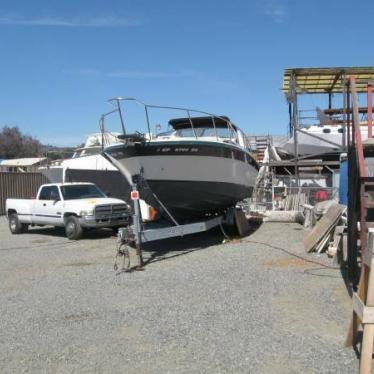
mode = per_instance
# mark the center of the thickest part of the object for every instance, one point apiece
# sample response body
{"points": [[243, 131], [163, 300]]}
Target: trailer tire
{"points": [[15, 226], [73, 228]]}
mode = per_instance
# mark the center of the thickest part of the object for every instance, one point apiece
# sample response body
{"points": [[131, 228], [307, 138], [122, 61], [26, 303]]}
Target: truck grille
{"points": [[110, 211]]}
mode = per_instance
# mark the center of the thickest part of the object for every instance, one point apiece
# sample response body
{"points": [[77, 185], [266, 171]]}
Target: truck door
{"points": [[48, 206]]}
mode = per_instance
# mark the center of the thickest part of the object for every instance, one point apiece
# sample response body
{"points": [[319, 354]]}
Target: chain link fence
{"points": [[289, 198]]}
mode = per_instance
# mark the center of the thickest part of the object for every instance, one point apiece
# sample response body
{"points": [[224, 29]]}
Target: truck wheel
{"points": [[15, 226], [73, 228]]}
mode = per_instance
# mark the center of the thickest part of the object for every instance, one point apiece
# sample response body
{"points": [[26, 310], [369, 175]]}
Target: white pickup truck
{"points": [[74, 206]]}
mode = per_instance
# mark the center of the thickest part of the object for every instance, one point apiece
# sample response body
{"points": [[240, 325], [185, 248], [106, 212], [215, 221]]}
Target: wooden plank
{"points": [[358, 306], [368, 253], [338, 235], [367, 319], [368, 329], [364, 313], [367, 349], [322, 244], [323, 226]]}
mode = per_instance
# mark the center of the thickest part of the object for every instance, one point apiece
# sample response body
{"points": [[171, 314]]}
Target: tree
{"points": [[14, 144]]}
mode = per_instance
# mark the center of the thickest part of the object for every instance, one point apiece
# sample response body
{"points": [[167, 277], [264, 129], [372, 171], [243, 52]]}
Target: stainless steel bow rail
{"points": [[234, 131]]}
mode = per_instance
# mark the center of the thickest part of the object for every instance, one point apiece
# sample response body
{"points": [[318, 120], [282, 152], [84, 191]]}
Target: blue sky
{"points": [[61, 60]]}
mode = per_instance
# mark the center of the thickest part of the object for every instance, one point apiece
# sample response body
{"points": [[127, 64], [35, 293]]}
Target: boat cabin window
{"points": [[326, 131], [341, 130]]}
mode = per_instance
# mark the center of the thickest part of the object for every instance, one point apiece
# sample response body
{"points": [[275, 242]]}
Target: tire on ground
{"points": [[15, 226], [73, 228]]}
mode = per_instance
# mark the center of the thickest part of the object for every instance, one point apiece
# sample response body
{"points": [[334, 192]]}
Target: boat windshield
{"points": [[166, 133], [87, 152], [81, 191], [203, 132]]}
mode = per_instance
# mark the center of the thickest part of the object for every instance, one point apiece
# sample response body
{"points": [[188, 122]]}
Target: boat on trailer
{"points": [[200, 167]]}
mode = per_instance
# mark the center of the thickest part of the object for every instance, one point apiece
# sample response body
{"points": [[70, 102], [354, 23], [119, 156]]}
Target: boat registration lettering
{"points": [[181, 149], [163, 149]]}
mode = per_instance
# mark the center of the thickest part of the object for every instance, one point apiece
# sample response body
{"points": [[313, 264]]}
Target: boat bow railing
{"points": [[233, 130]]}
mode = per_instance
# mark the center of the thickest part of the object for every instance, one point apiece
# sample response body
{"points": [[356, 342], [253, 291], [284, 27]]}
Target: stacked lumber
{"points": [[319, 237]]}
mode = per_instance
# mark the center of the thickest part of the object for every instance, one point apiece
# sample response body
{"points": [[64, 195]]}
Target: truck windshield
{"points": [[81, 191]]}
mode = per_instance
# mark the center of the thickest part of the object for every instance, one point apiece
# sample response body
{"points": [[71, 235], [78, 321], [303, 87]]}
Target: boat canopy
{"points": [[199, 122]]}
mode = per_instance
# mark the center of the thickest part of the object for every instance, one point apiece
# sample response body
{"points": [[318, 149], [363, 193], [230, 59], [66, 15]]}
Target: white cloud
{"points": [[276, 11], [102, 21], [138, 74], [88, 72], [141, 74], [208, 83], [134, 74]]}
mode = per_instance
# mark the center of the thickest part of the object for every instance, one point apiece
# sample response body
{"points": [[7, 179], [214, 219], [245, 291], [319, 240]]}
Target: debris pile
{"points": [[328, 230]]}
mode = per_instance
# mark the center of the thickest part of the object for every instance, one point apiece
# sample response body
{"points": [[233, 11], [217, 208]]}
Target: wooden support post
{"points": [[363, 308], [363, 300]]}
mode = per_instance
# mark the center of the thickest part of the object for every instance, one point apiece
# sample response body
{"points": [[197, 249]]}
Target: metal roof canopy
{"points": [[326, 80]]}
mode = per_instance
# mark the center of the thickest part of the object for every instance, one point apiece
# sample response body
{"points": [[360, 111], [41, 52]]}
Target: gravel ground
{"points": [[199, 307]]}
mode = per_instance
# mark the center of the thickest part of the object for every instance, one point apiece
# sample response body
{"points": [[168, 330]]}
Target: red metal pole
{"points": [[356, 128], [370, 110]]}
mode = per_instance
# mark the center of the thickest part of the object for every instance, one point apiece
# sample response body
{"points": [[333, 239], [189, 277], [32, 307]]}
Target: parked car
{"points": [[74, 206]]}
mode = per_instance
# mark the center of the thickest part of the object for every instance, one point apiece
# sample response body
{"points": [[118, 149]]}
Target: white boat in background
{"points": [[86, 158], [330, 139], [326, 137]]}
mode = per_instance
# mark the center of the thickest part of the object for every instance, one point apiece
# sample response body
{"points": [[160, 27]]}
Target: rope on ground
{"points": [[290, 253]]}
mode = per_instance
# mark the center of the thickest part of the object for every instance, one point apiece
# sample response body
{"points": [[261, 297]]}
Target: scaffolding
{"points": [[326, 81]]}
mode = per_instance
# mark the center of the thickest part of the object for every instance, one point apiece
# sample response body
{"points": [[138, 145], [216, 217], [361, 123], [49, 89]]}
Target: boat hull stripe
{"points": [[181, 149]]}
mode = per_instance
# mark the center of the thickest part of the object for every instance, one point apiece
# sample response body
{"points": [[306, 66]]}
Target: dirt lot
{"points": [[200, 306]]}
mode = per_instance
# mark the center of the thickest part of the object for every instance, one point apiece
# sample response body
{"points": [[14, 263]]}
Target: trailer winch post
{"points": [[137, 225]]}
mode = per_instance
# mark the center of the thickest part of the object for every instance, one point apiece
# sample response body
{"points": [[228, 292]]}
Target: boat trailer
{"points": [[139, 233]]}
